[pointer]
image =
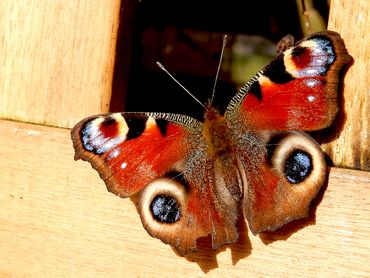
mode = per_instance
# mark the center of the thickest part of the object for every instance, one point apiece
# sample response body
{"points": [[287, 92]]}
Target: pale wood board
{"points": [[57, 59], [58, 220], [351, 147]]}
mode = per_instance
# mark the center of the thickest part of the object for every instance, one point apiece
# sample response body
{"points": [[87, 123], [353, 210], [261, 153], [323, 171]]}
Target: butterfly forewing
{"points": [[297, 90], [131, 149]]}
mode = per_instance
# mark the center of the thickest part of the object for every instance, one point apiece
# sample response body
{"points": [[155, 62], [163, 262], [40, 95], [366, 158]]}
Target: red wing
{"points": [[130, 149], [281, 181], [179, 212], [297, 90], [163, 157]]}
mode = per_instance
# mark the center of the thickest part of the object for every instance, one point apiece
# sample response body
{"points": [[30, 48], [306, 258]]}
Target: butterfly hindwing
{"points": [[283, 173], [198, 212]]}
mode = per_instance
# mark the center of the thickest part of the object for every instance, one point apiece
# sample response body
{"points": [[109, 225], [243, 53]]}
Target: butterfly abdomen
{"points": [[228, 181]]}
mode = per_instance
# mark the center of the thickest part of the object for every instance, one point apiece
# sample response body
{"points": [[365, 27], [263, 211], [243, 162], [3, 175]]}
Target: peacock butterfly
{"points": [[196, 178]]}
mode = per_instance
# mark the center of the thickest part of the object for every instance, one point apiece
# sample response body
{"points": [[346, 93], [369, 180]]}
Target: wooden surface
{"points": [[351, 147], [57, 59], [57, 219]]}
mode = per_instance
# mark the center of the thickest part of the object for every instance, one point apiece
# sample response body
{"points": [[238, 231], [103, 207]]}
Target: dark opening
{"points": [[186, 37]]}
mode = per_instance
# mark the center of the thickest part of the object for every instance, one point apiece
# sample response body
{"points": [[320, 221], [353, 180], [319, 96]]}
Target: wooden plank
{"points": [[352, 130], [57, 219], [57, 59]]}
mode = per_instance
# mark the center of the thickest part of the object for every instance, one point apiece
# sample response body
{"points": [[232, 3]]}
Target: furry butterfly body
{"points": [[197, 178]]}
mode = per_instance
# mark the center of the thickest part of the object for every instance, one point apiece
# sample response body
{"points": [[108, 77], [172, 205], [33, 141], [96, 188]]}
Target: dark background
{"points": [[186, 36]]}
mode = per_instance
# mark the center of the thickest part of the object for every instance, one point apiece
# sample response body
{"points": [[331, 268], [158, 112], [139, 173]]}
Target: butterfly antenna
{"points": [[174, 79], [224, 40]]}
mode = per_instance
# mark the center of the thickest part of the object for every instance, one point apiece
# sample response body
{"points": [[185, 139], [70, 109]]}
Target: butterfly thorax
{"points": [[216, 132]]}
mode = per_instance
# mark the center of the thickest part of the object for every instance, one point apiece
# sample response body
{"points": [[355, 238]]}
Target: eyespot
{"points": [[165, 209], [298, 166], [298, 159], [162, 206], [297, 169]]}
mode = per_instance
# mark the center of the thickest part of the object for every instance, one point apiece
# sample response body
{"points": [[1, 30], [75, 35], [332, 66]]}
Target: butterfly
{"points": [[195, 179]]}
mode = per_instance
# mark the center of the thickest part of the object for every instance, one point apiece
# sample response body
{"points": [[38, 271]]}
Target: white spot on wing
{"points": [[116, 152], [311, 82], [123, 165], [311, 98]]}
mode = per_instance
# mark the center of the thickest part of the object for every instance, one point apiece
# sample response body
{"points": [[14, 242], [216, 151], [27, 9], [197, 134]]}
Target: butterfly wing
{"points": [[163, 158], [284, 169], [283, 173], [298, 90], [129, 149]]}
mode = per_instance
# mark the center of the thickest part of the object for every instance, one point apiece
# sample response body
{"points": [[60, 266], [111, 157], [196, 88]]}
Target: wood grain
{"points": [[57, 59], [352, 129], [58, 220]]}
